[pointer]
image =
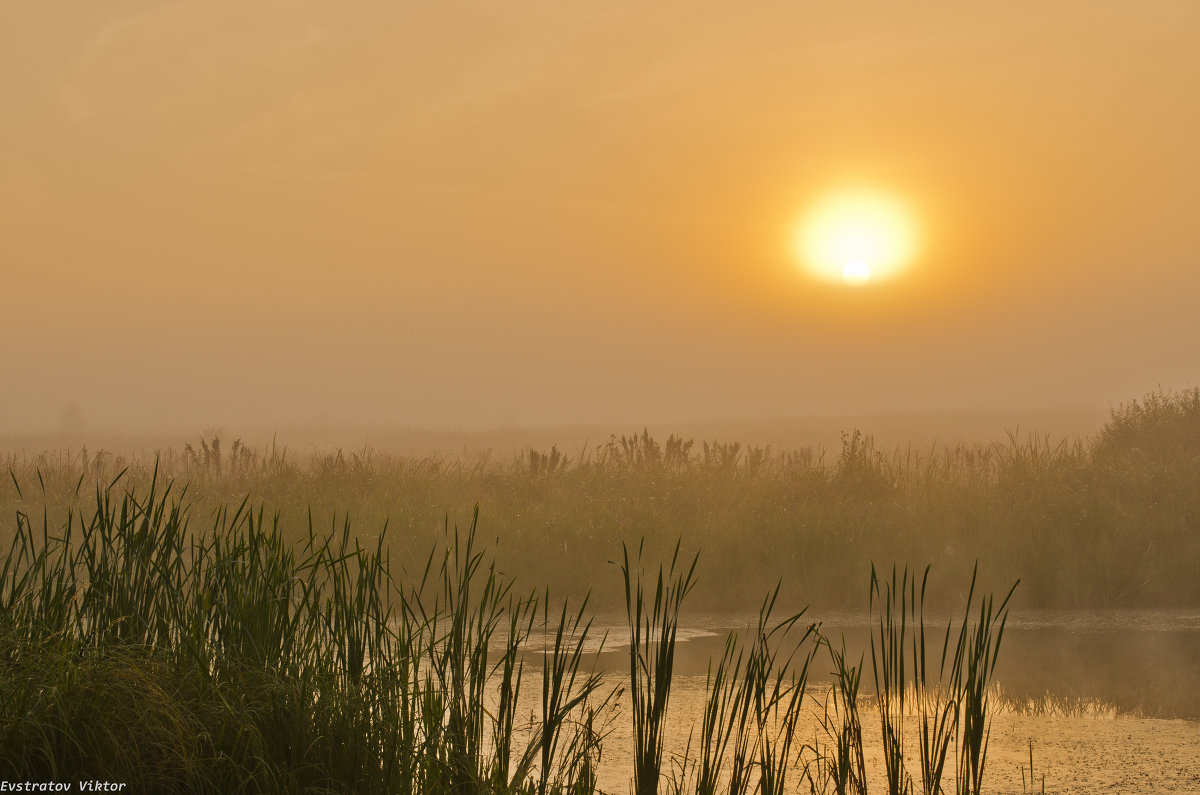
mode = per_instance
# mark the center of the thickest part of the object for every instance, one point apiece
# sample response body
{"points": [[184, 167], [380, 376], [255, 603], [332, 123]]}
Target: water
{"points": [[1136, 662], [1109, 700]]}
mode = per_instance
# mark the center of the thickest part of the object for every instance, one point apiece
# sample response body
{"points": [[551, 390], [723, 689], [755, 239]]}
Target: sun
{"points": [[856, 272], [856, 236]]}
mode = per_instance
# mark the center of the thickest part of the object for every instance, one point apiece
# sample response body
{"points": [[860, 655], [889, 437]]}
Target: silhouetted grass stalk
{"points": [[936, 695], [981, 647], [652, 629], [888, 667], [844, 768], [777, 689], [951, 704]]}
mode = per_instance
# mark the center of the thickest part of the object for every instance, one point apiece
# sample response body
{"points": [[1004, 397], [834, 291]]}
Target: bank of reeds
{"points": [[653, 629], [232, 660], [950, 701], [1113, 520], [228, 658]]}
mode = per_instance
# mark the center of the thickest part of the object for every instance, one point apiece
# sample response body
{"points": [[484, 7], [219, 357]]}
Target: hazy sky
{"points": [[478, 214]]}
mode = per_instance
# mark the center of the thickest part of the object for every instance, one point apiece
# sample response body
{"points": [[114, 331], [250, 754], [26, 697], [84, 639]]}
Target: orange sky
{"points": [[480, 214]]}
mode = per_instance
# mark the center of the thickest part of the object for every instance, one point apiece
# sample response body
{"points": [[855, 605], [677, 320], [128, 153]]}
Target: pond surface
{"points": [[1109, 700]]}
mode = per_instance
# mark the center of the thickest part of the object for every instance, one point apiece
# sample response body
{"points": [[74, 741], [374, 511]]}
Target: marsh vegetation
{"points": [[231, 660], [1106, 521], [190, 638]]}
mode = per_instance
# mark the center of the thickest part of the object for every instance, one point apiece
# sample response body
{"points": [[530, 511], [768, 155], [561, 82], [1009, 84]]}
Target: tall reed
{"points": [[778, 683], [951, 701], [749, 722], [981, 650], [653, 626], [888, 660], [840, 762]]}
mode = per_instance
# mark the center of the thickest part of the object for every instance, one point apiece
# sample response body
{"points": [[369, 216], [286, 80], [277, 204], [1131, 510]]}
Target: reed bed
{"points": [[135, 648], [1109, 521], [230, 660]]}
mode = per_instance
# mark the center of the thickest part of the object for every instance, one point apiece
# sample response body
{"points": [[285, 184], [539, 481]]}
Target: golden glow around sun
{"points": [[854, 237]]}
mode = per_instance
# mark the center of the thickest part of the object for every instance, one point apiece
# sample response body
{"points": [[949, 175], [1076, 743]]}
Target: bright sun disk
{"points": [[853, 237], [856, 272]]}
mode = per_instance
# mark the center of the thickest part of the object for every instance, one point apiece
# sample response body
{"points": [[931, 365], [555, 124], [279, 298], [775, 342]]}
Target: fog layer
{"points": [[477, 215]]}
